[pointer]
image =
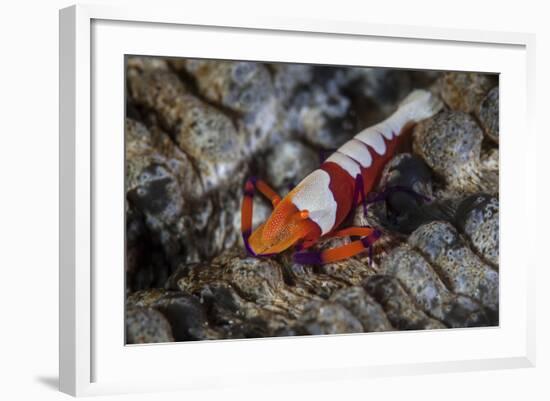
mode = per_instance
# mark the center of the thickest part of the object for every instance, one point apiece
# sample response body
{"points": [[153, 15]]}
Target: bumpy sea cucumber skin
{"points": [[450, 143], [432, 290], [488, 114], [461, 268], [464, 91], [478, 218], [402, 311], [201, 131]]}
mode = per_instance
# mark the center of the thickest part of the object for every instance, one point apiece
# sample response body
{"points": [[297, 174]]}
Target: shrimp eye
{"points": [[304, 214]]}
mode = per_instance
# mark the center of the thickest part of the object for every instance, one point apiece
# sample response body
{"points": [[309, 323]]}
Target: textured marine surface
{"points": [[195, 129]]}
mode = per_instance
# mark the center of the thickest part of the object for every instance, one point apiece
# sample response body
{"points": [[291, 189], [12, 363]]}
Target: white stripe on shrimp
{"points": [[314, 195], [346, 163], [357, 151], [374, 139]]}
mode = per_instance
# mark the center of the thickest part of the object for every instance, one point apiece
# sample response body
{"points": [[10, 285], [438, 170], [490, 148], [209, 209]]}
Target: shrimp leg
{"points": [[247, 206], [341, 252]]}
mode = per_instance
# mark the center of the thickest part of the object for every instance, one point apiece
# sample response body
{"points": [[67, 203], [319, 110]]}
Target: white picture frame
{"points": [[93, 41]]}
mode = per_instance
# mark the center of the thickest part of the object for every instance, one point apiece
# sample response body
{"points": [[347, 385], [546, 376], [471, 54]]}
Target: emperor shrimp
{"points": [[319, 205]]}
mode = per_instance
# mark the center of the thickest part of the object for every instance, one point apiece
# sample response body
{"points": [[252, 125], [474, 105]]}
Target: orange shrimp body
{"points": [[320, 203]]}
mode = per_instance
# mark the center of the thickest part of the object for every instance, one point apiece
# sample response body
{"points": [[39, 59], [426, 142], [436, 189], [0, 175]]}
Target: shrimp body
{"points": [[320, 203]]}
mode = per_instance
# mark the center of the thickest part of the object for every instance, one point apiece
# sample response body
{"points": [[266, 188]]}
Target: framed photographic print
{"points": [[289, 199]]}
